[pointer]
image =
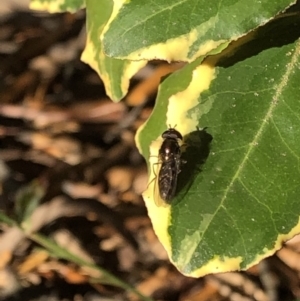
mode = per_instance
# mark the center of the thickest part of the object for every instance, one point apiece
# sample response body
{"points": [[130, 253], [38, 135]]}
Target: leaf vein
{"points": [[161, 10], [238, 230], [258, 201], [261, 174], [284, 142]]}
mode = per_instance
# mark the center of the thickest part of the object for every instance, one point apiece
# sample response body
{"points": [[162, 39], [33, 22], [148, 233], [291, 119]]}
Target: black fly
{"points": [[169, 158]]}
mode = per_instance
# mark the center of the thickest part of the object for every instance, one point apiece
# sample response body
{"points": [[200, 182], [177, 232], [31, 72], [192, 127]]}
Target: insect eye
{"points": [[171, 133]]}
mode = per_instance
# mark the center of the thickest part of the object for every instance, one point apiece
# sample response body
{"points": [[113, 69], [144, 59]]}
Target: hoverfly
{"points": [[170, 163]]}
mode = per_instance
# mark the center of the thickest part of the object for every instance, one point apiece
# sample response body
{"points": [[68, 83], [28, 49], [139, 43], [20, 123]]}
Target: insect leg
{"points": [[155, 175]]}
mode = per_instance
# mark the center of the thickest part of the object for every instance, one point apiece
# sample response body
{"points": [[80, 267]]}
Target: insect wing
{"points": [[167, 179], [159, 202]]}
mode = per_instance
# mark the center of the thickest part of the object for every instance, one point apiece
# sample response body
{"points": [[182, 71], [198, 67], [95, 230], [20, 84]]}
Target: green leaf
{"points": [[56, 6], [183, 30], [7, 220], [27, 200], [114, 73], [238, 194]]}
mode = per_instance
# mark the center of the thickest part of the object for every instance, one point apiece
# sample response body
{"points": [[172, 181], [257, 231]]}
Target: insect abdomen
{"points": [[167, 180]]}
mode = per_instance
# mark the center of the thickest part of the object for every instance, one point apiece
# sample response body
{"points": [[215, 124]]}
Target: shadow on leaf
{"points": [[197, 148]]}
